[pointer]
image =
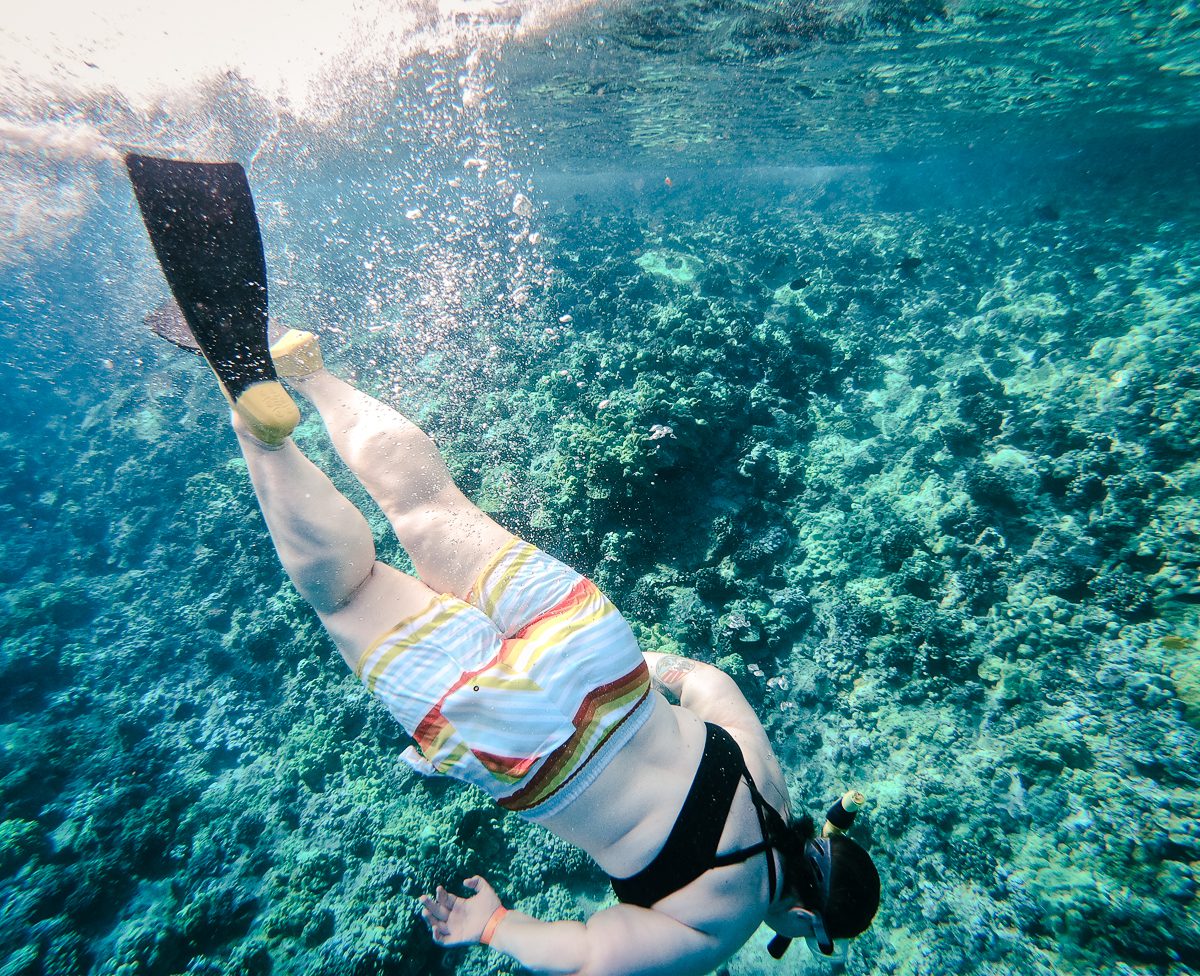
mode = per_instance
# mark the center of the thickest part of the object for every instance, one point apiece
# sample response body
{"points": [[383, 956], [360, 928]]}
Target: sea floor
{"points": [[922, 475]]}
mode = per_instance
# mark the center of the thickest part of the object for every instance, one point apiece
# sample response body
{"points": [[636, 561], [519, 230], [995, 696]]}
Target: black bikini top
{"points": [[691, 847]]}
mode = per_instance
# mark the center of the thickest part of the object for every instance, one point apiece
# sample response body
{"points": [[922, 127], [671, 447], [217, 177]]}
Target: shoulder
{"points": [[714, 696], [764, 766]]}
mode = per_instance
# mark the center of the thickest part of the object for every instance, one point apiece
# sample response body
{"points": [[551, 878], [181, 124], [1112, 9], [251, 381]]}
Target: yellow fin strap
{"points": [[268, 411]]}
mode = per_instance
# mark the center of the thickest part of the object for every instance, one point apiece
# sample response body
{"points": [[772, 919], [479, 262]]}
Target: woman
{"points": [[510, 670]]}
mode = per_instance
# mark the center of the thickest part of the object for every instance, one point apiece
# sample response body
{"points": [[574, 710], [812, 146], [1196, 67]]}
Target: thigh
{"points": [[385, 597], [449, 539]]}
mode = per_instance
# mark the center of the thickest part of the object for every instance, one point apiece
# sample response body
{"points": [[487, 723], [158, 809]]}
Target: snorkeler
{"points": [[509, 670]]}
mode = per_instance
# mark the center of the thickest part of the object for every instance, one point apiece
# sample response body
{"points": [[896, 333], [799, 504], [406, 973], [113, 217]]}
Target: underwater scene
{"points": [[852, 346]]}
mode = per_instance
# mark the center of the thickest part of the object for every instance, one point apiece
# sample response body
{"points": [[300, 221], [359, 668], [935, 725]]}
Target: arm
{"points": [[620, 940], [715, 697], [703, 689]]}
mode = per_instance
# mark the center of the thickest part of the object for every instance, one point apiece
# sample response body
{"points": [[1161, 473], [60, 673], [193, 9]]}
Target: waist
{"points": [[627, 811], [569, 774]]}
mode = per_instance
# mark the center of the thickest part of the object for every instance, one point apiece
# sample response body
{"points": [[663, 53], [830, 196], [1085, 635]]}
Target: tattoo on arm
{"points": [[670, 672]]}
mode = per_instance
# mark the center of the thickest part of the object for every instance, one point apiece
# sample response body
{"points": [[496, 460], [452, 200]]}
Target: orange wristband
{"points": [[489, 929]]}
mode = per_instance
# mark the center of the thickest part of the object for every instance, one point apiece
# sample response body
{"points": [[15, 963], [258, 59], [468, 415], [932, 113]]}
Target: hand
{"points": [[455, 920]]}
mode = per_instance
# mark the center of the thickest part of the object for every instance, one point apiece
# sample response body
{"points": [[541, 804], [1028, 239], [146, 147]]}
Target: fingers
{"points": [[438, 928], [434, 908], [437, 909]]}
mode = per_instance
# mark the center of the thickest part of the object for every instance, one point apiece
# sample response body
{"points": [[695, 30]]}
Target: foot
{"points": [[297, 354], [265, 407], [267, 411]]}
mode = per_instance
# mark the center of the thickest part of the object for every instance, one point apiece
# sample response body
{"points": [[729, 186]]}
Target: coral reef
{"points": [[923, 480]]}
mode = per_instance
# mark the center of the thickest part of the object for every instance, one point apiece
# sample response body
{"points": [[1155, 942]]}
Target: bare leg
{"points": [[326, 547], [447, 537]]}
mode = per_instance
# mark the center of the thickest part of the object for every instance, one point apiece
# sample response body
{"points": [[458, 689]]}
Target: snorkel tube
{"points": [[778, 946], [838, 819]]}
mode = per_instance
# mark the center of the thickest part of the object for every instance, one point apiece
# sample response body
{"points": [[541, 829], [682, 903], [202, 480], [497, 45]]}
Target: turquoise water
{"points": [[913, 288]]}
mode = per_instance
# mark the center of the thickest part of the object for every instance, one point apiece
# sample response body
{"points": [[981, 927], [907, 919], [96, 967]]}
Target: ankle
{"points": [[270, 415], [248, 440], [316, 377], [316, 386]]}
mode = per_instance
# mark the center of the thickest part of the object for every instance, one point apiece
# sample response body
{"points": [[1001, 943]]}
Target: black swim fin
{"points": [[167, 322], [201, 221]]}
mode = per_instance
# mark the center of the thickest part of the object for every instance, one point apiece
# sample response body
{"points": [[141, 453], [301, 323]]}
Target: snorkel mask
{"points": [[818, 857]]}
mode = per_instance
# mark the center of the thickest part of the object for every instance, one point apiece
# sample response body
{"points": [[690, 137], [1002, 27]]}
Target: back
{"points": [[624, 818]]}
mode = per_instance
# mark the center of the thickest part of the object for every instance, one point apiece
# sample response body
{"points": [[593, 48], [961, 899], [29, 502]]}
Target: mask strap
{"points": [[824, 942]]}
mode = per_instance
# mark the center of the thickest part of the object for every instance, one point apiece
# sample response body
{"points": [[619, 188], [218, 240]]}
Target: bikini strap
{"points": [[692, 843], [764, 810], [770, 824], [738, 857]]}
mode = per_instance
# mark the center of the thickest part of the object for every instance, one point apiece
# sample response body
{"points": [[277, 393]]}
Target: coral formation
{"points": [[924, 480]]}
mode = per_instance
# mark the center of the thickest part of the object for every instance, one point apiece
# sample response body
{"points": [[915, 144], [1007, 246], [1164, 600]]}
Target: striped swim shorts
{"points": [[526, 691]]}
